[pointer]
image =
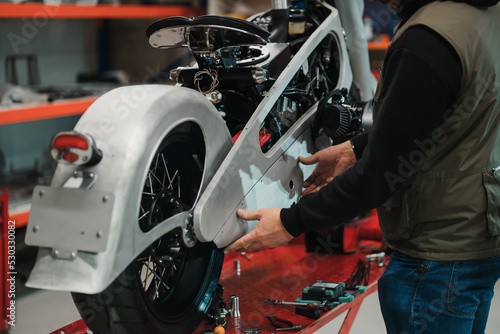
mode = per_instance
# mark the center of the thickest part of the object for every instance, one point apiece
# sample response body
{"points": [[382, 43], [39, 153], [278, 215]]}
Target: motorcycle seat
{"points": [[177, 25]]}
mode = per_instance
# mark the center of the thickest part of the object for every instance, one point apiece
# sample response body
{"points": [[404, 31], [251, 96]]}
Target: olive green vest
{"points": [[449, 207]]}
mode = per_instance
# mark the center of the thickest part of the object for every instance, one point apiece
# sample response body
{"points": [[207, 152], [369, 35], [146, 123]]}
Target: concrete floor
{"points": [[41, 312]]}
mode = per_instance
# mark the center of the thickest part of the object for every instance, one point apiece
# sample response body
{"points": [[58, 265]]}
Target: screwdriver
{"points": [[314, 306]]}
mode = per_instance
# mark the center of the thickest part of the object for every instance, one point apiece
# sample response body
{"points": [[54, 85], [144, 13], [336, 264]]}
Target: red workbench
{"points": [[280, 273]]}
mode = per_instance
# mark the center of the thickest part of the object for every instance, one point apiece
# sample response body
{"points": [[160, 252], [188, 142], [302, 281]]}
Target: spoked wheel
{"points": [[169, 286]]}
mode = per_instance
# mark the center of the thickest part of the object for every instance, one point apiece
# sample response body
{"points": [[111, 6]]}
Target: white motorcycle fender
{"points": [[88, 236]]}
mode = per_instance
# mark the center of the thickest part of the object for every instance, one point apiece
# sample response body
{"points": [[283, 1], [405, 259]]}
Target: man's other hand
{"points": [[332, 161]]}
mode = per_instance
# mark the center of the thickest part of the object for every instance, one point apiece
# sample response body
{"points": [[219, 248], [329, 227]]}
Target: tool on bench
{"points": [[245, 256], [307, 312], [379, 258], [323, 291], [235, 306], [306, 309], [238, 267], [220, 325], [313, 305], [279, 327], [252, 331], [346, 298]]}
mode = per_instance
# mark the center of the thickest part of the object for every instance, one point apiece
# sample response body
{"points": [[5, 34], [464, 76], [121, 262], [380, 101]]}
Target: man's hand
{"points": [[268, 233], [332, 161]]}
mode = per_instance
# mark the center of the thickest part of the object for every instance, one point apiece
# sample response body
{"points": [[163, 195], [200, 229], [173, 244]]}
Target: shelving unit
{"points": [[67, 11], [35, 113], [45, 111], [72, 107]]}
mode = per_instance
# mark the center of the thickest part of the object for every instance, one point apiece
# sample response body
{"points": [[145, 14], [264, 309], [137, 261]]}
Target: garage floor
{"points": [[41, 312]]}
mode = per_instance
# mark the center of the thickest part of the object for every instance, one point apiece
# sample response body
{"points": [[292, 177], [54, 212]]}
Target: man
{"points": [[430, 165]]}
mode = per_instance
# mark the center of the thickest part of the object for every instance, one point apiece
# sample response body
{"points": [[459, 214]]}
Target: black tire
{"points": [[169, 287]]}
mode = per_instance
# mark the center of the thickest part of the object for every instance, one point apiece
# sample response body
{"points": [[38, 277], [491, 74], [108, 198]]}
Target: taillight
{"points": [[75, 148]]}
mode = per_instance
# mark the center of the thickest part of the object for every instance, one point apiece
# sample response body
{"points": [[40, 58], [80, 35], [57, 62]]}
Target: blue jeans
{"points": [[437, 297]]}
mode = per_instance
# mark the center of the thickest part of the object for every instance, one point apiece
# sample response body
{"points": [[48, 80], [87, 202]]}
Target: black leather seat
{"points": [[222, 21]]}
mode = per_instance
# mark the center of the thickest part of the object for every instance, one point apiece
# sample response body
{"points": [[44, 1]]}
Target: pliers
{"points": [[252, 331], [276, 322]]}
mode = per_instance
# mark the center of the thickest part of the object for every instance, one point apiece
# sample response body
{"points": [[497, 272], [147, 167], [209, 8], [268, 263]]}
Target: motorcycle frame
{"points": [[128, 124]]}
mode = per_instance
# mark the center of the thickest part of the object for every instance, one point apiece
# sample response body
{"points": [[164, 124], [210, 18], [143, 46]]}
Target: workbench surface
{"points": [[281, 273]]}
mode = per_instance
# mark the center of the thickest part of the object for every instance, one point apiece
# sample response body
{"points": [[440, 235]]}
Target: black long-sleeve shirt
{"points": [[422, 77]]}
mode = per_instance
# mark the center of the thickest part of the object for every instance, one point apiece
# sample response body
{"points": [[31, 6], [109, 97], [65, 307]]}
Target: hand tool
{"points": [[238, 267], [245, 256], [220, 325], [235, 306], [276, 322], [252, 331], [330, 291], [310, 305], [293, 328], [379, 258]]}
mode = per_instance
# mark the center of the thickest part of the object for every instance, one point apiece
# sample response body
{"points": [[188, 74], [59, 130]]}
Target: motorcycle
{"points": [[144, 196]]}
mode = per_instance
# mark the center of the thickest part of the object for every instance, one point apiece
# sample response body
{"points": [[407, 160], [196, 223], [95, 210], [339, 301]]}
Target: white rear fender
{"points": [[128, 124]]}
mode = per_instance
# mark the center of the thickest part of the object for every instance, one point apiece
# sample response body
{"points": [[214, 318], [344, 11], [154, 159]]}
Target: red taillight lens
{"points": [[70, 157], [71, 141], [75, 148]]}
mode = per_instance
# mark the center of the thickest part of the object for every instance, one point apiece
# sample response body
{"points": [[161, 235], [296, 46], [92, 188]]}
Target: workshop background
{"points": [[49, 58]]}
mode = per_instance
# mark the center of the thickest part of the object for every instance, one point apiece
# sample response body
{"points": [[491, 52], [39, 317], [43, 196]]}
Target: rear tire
{"points": [[169, 287]]}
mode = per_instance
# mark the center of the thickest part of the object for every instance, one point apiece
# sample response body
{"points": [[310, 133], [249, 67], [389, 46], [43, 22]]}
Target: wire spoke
{"points": [[156, 177], [171, 181], [159, 281], [144, 215], [150, 184], [165, 172], [159, 265], [179, 186]]}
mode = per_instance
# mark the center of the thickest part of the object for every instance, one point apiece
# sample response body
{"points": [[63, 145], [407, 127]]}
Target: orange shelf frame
{"points": [[68, 11], [20, 218], [45, 111], [382, 44], [378, 45]]}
